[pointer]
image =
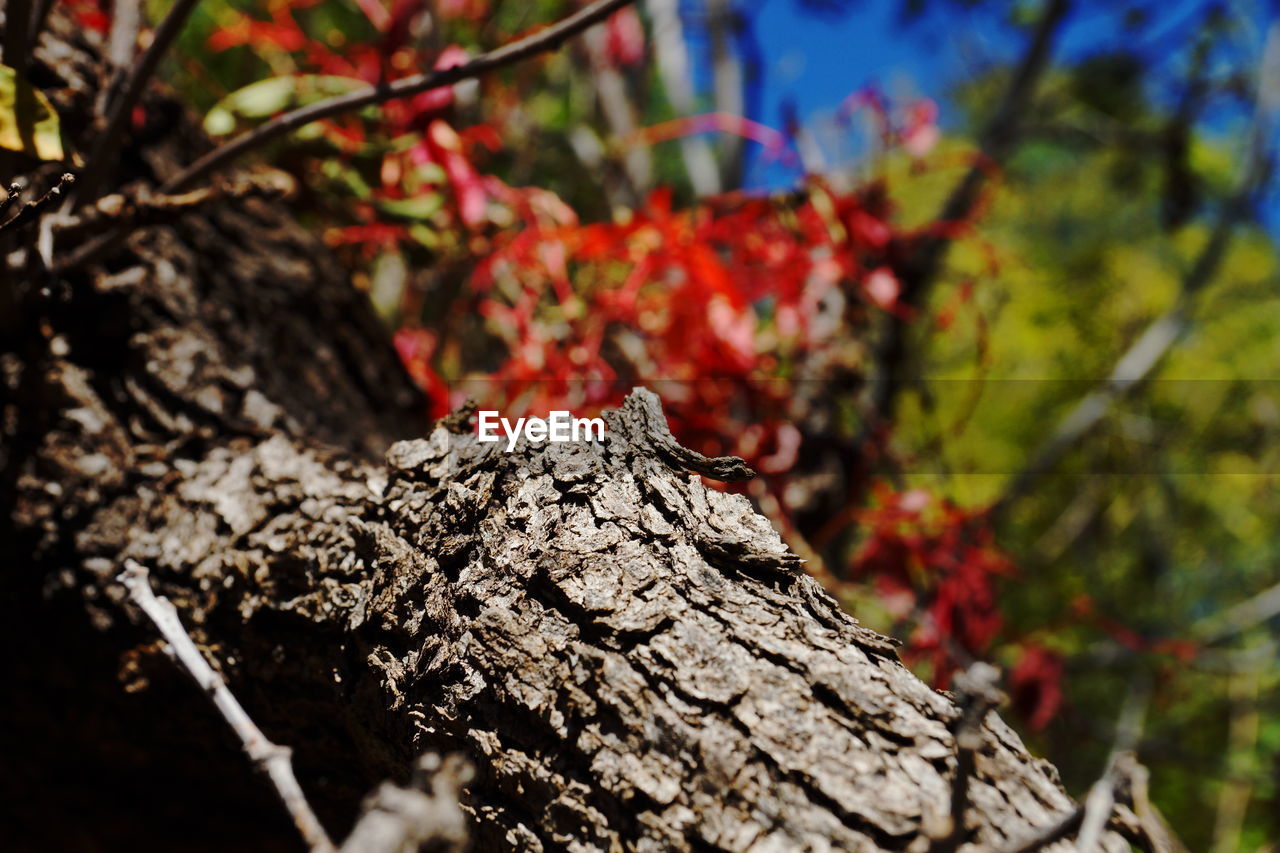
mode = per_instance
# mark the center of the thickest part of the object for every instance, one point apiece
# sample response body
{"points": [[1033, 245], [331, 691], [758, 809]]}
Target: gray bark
{"points": [[631, 660]]}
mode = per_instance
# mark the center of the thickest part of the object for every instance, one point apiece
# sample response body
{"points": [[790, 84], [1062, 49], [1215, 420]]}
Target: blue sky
{"points": [[815, 61]]}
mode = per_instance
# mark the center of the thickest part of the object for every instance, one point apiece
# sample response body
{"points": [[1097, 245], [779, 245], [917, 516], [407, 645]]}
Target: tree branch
{"points": [[395, 819], [671, 53], [32, 209], [11, 197], [544, 40], [1240, 617], [144, 208], [17, 15], [996, 143], [270, 758], [977, 694], [106, 144], [1090, 818], [38, 18]]}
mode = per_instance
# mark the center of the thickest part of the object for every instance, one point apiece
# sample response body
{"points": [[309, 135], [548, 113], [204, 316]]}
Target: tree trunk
{"points": [[630, 659]]}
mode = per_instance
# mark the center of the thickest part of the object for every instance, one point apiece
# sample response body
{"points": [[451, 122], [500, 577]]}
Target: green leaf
{"points": [[276, 94], [28, 122], [418, 207]]}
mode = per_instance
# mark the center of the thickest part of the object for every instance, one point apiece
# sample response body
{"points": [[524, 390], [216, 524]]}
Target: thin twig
{"points": [[544, 40], [996, 143], [122, 104], [32, 209], [1090, 818], [38, 18], [1241, 617], [1145, 355], [143, 208], [978, 693], [398, 818], [15, 192], [17, 17], [270, 758], [1101, 799]]}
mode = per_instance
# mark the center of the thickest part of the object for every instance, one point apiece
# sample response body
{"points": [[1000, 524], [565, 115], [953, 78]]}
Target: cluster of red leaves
{"points": [[935, 566], [1035, 684], [1085, 611], [722, 307], [90, 14]]}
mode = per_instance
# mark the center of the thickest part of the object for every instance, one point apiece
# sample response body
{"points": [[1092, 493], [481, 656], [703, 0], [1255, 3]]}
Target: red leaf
{"points": [[624, 38], [1036, 685]]}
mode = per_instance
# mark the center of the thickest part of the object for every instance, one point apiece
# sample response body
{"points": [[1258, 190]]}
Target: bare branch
{"points": [[32, 209], [1091, 817], [672, 54], [396, 819], [547, 39], [1241, 617], [144, 208], [996, 143], [11, 198], [1101, 799], [978, 695], [104, 146], [38, 18], [270, 758], [17, 17], [126, 23]]}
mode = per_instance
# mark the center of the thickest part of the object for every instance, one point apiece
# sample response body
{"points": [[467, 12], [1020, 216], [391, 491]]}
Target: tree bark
{"points": [[632, 661]]}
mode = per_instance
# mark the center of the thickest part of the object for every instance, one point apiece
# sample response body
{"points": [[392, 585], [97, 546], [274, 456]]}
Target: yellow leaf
{"points": [[28, 122]]}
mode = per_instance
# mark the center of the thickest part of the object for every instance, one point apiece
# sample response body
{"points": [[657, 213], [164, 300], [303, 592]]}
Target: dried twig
{"points": [[269, 757], [996, 143], [544, 40], [17, 17], [144, 208], [32, 209], [977, 694], [11, 198], [104, 146], [671, 51], [1090, 818], [1241, 617], [37, 20], [396, 819]]}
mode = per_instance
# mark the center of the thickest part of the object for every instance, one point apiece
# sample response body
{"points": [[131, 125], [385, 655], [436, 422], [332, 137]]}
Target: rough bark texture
{"points": [[631, 660]]}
